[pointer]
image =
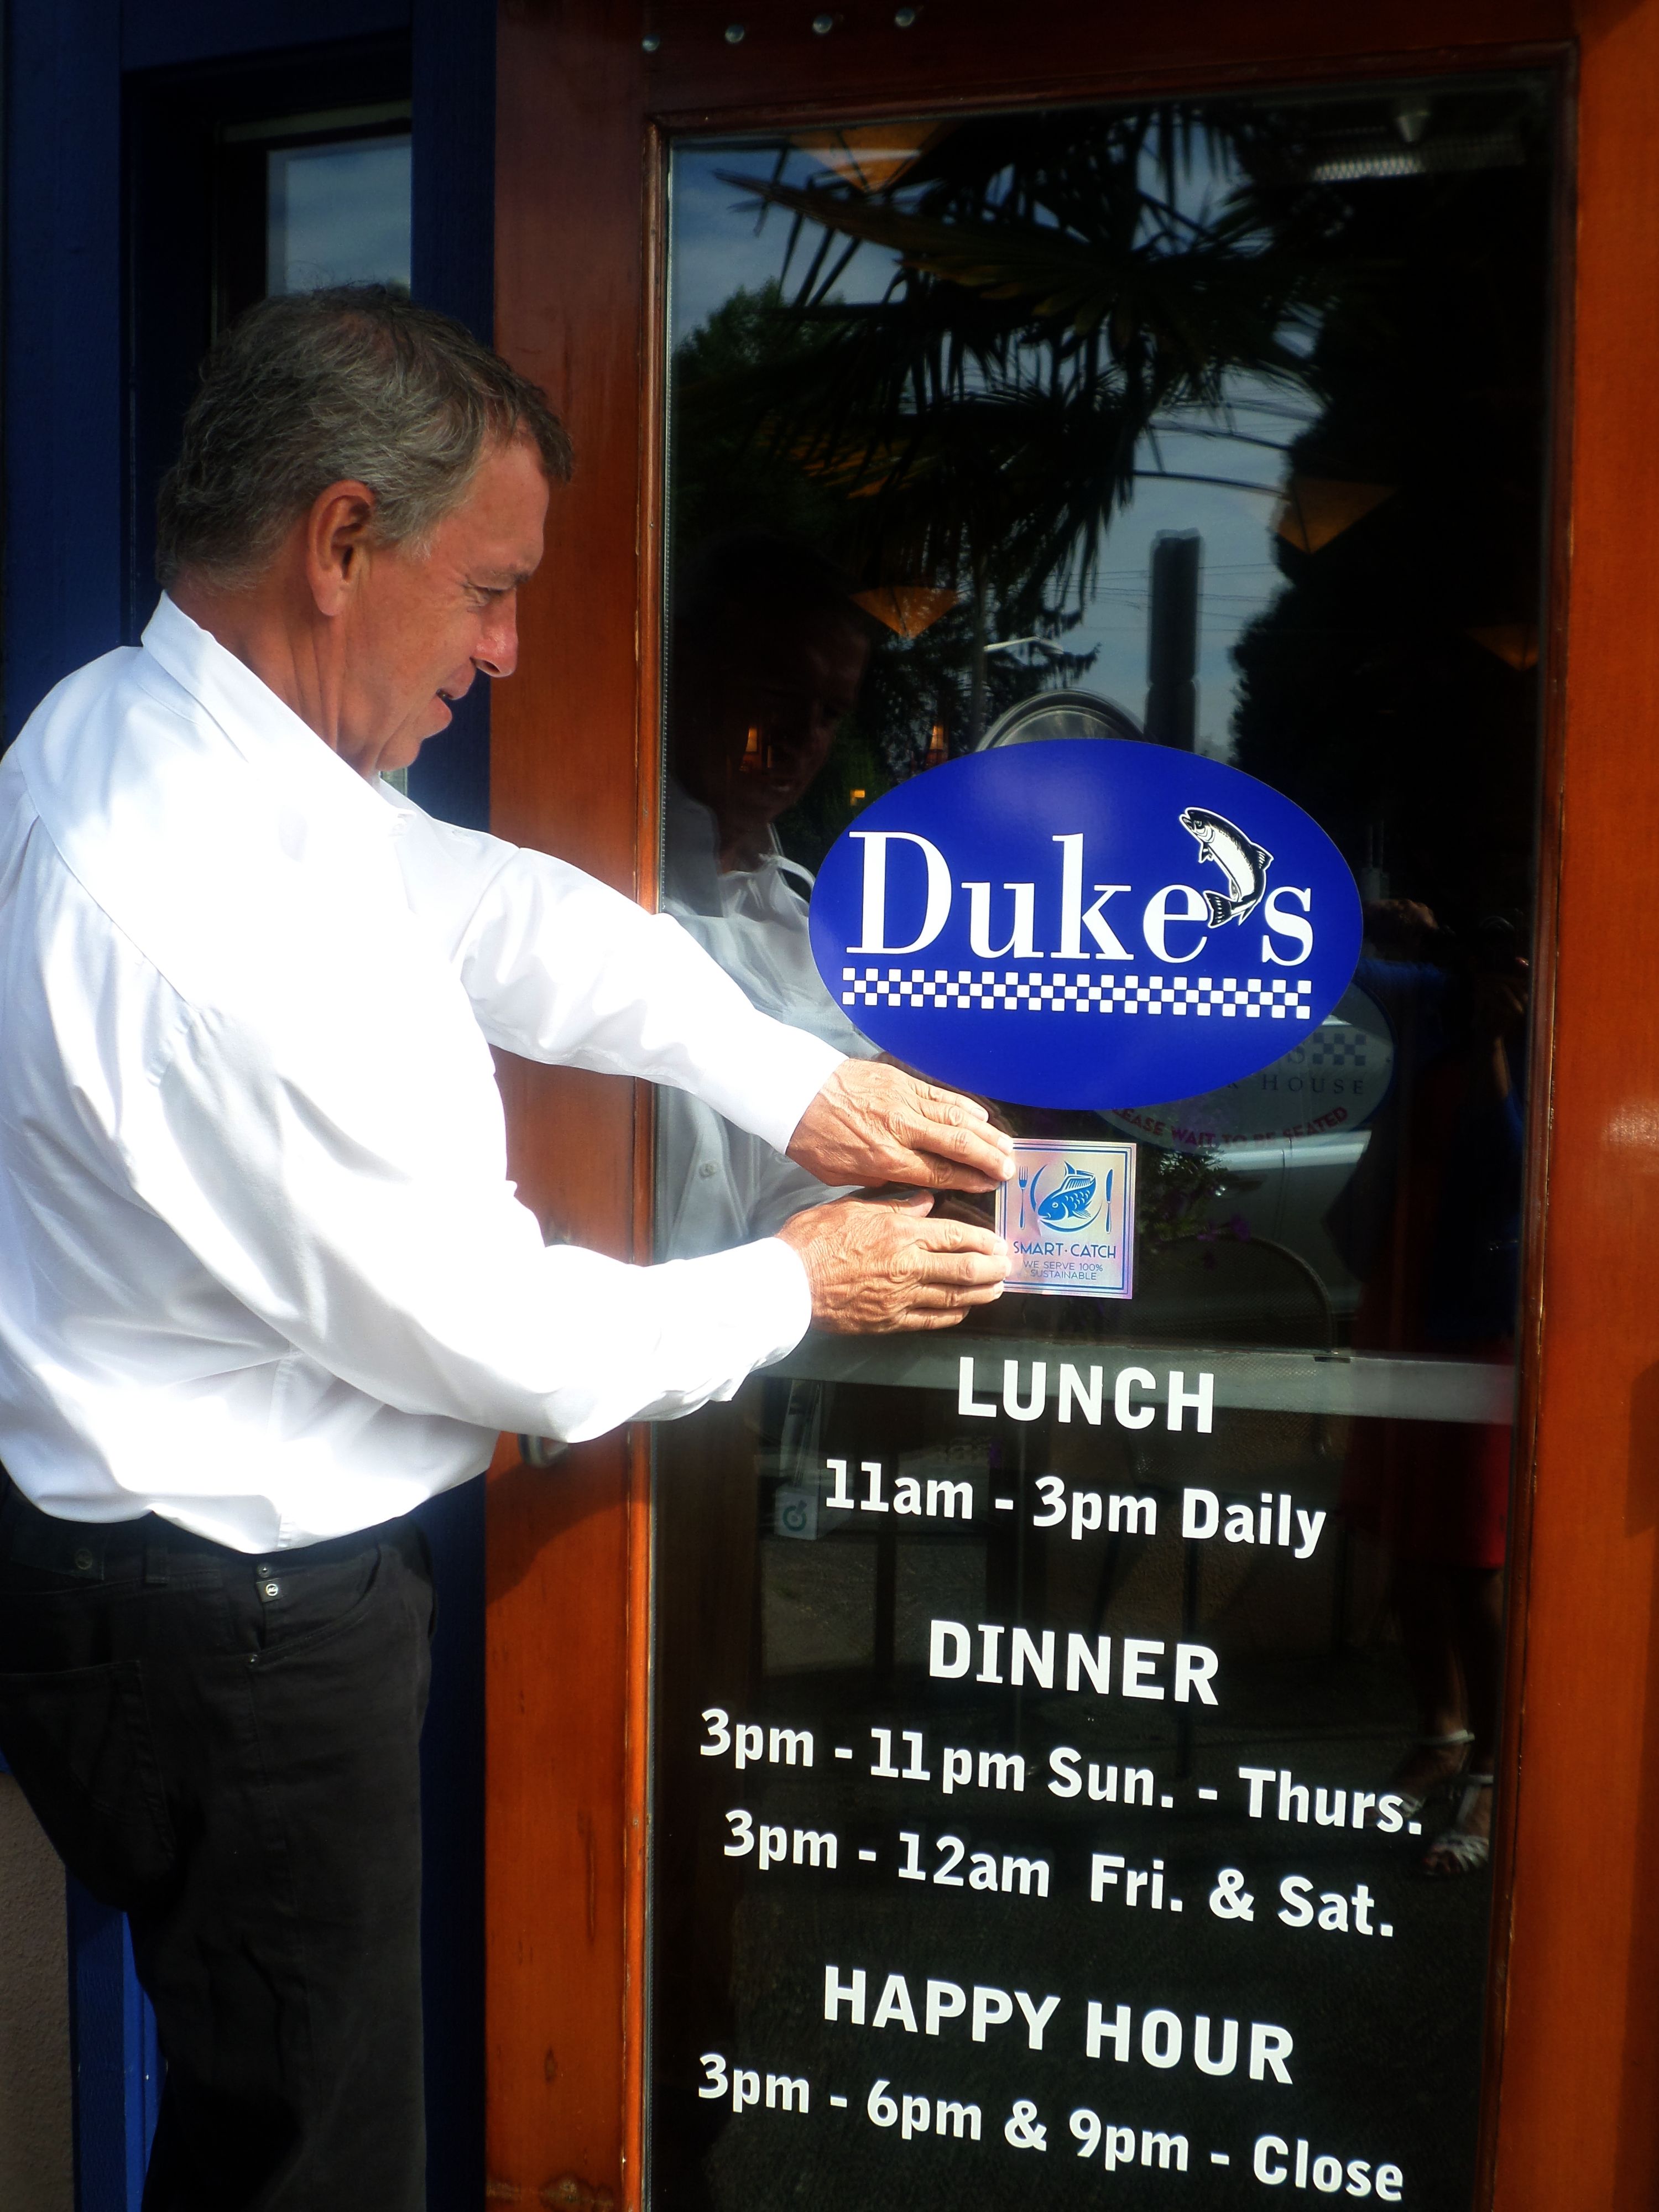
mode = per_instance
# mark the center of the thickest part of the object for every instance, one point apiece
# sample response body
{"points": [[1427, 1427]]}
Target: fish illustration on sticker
{"points": [[1070, 1204], [1244, 865]]}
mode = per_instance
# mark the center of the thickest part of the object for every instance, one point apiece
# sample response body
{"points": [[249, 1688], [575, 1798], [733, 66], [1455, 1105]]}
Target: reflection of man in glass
{"points": [[769, 653]]}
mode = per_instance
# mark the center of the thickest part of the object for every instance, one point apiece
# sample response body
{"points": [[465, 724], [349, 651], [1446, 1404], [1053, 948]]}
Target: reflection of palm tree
{"points": [[1051, 304], [1067, 285]]}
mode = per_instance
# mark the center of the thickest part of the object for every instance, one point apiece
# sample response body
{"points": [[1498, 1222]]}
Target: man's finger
{"points": [[954, 1105], [958, 1140], [934, 1291], [961, 1159], [933, 1297], [943, 1235], [950, 1128], [941, 1175], [964, 1269]]}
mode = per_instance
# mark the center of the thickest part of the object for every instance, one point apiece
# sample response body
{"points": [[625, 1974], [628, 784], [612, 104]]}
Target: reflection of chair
{"points": [[798, 1413], [1230, 1290], [1224, 1290], [1239, 1293], [1060, 714]]}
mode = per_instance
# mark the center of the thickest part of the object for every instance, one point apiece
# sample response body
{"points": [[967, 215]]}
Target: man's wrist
{"points": [[827, 1075]]}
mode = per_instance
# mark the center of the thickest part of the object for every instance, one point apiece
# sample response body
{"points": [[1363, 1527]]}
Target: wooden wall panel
{"points": [[565, 777], [979, 51], [1579, 2110]]}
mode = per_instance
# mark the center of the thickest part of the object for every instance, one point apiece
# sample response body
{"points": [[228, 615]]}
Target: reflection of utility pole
{"points": [[977, 681], [1172, 639]]}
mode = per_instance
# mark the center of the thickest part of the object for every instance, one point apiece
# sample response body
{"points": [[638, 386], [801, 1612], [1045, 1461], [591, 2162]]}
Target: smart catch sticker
{"points": [[1074, 924], [1069, 1218]]}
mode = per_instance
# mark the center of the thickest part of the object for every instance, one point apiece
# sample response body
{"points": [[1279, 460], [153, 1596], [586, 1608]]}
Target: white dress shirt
{"points": [[261, 1269]]}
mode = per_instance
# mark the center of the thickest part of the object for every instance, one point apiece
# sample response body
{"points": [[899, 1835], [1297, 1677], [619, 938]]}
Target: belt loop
{"points": [[157, 1566]]}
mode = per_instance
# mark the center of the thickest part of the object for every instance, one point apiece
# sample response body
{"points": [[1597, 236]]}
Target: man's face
{"points": [[421, 624]]}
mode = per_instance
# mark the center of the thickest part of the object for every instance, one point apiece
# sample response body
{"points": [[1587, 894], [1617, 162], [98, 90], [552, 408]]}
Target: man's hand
{"points": [[873, 1124], [879, 1267]]}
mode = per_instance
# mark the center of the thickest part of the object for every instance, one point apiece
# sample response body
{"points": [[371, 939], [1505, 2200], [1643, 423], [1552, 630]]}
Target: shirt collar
{"points": [[693, 870], [263, 728]]}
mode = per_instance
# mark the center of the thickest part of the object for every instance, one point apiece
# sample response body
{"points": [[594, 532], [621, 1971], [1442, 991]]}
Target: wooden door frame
{"points": [[1571, 2123]]}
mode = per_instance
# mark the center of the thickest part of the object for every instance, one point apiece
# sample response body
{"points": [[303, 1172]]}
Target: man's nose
{"points": [[497, 650]]}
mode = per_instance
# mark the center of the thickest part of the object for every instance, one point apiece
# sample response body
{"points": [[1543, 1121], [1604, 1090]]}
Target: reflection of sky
{"points": [[718, 248], [339, 214]]}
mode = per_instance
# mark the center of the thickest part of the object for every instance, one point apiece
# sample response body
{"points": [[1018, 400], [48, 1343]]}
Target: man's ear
{"points": [[337, 539]]}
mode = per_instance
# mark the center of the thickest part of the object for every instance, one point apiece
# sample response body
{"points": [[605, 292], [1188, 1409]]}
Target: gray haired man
{"points": [[263, 1284]]}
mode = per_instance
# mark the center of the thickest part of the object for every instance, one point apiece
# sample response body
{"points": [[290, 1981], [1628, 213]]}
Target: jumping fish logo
{"points": [[1245, 865]]}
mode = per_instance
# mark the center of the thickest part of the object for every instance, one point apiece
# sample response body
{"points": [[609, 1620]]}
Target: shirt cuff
{"points": [[774, 1082], [783, 1297]]}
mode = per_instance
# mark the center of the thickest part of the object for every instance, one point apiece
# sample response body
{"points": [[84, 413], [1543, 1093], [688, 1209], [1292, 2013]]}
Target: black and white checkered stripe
{"points": [[1336, 1047], [1034, 991]]}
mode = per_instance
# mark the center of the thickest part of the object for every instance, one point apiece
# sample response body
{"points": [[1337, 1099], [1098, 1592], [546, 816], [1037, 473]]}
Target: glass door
{"points": [[1072, 1736]]}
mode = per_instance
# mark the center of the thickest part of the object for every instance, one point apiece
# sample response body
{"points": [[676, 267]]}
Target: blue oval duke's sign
{"points": [[1085, 924]]}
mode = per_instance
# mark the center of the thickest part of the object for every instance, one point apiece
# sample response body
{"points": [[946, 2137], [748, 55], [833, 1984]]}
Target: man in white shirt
{"points": [[263, 1284]]}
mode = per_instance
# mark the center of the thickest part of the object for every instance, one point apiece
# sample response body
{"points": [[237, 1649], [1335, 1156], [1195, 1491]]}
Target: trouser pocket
{"points": [[79, 1741]]}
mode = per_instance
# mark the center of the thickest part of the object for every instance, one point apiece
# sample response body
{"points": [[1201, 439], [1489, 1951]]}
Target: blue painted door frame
{"points": [[68, 405]]}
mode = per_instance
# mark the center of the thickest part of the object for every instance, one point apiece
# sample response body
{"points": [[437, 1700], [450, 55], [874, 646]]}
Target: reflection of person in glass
{"points": [[769, 653], [1443, 1279]]}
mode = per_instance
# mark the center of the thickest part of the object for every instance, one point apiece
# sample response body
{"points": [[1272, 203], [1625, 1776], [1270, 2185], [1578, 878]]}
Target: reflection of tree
{"points": [[1067, 286], [726, 477], [980, 424], [1050, 305]]}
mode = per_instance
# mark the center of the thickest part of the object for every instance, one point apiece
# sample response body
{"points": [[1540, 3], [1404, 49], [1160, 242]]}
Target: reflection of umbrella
{"points": [[1514, 642], [1313, 510], [871, 156], [907, 609]]}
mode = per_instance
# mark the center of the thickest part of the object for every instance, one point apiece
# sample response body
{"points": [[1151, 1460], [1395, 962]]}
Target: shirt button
{"points": [[272, 1590], [84, 1562], [263, 1569], [707, 1168]]}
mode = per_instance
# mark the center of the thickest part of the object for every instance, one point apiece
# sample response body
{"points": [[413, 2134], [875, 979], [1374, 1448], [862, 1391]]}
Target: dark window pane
{"points": [[1220, 424]]}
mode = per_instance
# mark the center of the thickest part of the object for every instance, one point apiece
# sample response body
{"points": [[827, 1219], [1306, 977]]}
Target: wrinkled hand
{"points": [[875, 1265], [872, 1123]]}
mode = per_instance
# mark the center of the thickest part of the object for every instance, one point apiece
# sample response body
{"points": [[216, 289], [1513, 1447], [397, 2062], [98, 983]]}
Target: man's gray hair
{"points": [[312, 388]]}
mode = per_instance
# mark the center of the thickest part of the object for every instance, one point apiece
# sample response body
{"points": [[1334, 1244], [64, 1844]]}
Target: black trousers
{"points": [[226, 1748]]}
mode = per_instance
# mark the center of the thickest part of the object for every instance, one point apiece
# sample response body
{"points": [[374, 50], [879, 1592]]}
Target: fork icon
{"points": [[1023, 1180]]}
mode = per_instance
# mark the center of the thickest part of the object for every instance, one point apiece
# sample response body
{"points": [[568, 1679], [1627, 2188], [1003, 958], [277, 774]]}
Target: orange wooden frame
{"points": [[1572, 2118]]}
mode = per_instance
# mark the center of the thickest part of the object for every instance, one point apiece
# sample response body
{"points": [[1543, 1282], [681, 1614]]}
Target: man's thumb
{"points": [[904, 1201]]}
